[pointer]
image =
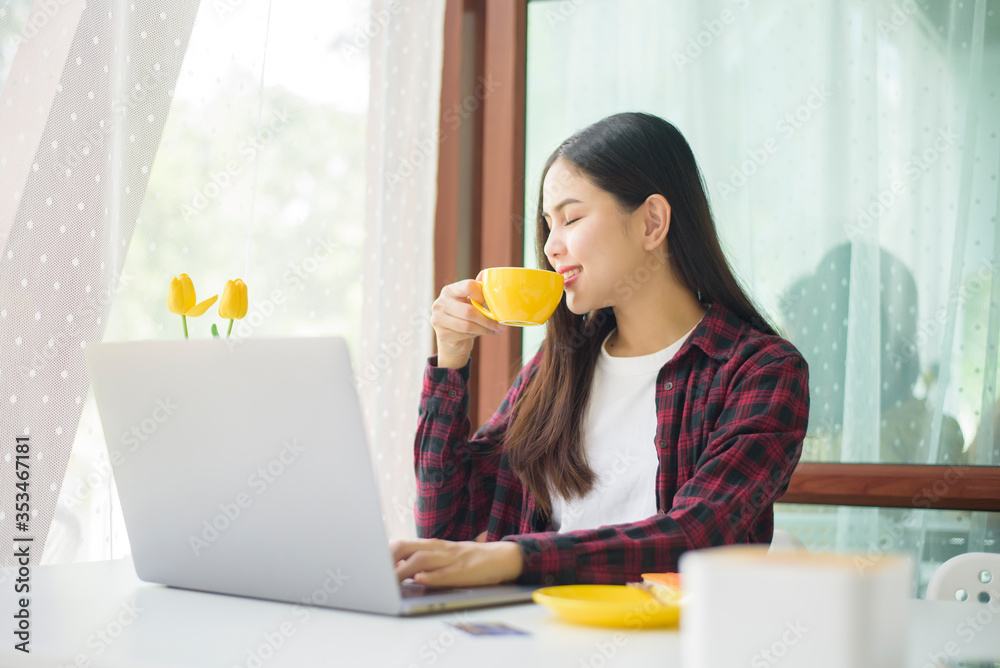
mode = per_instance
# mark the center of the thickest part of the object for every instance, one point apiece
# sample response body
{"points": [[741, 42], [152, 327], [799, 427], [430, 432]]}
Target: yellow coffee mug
{"points": [[520, 296]]}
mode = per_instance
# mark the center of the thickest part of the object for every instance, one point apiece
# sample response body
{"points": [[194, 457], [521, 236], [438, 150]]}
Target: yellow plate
{"points": [[607, 605]]}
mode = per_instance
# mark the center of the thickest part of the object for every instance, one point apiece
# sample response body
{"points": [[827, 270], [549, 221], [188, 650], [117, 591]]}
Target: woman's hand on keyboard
{"points": [[445, 563]]}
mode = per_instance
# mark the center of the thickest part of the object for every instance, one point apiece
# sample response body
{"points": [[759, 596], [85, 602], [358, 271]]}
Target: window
{"points": [[838, 189], [261, 145], [851, 155]]}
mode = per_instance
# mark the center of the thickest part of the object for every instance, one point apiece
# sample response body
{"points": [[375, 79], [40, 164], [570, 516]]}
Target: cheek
{"points": [[601, 253], [581, 245]]}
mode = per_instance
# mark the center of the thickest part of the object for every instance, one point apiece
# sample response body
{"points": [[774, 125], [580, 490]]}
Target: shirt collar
{"points": [[718, 334]]}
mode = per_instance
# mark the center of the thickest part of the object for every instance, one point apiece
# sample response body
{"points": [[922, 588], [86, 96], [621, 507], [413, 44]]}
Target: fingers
{"points": [[469, 324], [458, 563], [473, 289], [402, 549], [452, 312], [462, 290], [419, 562], [423, 560], [443, 577], [457, 322]]}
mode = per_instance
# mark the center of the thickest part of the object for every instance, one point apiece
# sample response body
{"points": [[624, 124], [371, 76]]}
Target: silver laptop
{"points": [[243, 468]]}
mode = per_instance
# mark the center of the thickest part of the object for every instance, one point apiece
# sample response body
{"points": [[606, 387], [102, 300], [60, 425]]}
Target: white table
{"points": [[72, 606]]}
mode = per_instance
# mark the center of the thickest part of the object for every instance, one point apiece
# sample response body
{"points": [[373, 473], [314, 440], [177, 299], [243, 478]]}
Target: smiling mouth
{"points": [[569, 278]]}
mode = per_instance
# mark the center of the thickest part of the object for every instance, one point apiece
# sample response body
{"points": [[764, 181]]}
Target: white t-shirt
{"points": [[618, 433]]}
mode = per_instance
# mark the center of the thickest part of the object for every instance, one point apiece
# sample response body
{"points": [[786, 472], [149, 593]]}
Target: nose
{"points": [[554, 246]]}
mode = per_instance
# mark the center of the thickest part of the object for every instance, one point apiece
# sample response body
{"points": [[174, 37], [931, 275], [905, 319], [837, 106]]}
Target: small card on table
{"points": [[488, 629]]}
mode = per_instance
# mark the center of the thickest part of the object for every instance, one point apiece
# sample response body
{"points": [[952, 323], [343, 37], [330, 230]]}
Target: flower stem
{"points": [[185, 321], [229, 331]]}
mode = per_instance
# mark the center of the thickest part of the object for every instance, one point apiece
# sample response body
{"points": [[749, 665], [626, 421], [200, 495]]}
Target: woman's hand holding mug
{"points": [[499, 296], [457, 322]]}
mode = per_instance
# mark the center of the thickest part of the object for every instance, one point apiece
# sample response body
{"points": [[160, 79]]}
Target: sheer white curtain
{"points": [[406, 54], [851, 153], [80, 87], [144, 140]]}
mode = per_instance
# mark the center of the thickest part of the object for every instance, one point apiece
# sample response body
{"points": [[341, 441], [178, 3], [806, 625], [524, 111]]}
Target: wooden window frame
{"points": [[481, 195]]}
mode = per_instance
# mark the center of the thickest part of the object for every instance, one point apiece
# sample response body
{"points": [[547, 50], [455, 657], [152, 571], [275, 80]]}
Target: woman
{"points": [[661, 414]]}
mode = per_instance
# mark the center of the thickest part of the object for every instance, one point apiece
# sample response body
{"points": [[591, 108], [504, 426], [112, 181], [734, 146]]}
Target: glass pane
{"points": [[851, 153], [934, 535]]}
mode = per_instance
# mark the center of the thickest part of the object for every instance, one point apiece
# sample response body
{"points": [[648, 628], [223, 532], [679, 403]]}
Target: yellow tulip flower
{"points": [[181, 300], [180, 296], [234, 302]]}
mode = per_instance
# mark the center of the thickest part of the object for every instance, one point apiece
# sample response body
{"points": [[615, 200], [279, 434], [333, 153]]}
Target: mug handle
{"points": [[481, 308]]}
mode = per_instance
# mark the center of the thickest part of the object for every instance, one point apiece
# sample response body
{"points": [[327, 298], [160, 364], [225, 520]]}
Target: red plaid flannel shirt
{"points": [[731, 406]]}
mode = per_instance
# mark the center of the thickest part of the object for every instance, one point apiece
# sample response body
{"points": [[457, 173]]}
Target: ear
{"points": [[657, 221]]}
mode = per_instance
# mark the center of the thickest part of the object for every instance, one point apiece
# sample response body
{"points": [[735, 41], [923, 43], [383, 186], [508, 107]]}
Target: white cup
{"points": [[793, 609]]}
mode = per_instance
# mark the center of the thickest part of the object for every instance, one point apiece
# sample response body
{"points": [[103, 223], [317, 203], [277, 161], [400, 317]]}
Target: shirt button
{"points": [[661, 511], [549, 579], [452, 393], [669, 385], [661, 444]]}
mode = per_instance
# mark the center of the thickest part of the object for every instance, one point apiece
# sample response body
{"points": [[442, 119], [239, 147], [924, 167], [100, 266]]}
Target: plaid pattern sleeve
{"points": [[457, 475], [756, 425]]}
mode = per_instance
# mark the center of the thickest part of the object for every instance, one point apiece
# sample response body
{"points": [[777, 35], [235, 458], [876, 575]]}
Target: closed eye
{"points": [[548, 224]]}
